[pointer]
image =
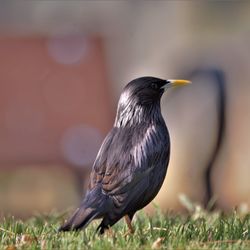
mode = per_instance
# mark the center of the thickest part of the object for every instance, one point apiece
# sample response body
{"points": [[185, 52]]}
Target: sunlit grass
{"points": [[199, 230]]}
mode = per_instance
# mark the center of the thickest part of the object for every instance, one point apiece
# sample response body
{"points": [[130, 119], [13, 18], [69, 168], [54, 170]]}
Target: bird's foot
{"points": [[128, 233], [109, 232]]}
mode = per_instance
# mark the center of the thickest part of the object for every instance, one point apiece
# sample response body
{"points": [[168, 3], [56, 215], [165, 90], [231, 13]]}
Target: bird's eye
{"points": [[154, 86]]}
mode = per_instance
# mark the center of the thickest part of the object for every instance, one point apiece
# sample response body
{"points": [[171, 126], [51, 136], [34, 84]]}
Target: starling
{"points": [[132, 162]]}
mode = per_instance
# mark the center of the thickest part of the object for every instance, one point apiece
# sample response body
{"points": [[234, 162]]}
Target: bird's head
{"points": [[141, 96], [147, 90]]}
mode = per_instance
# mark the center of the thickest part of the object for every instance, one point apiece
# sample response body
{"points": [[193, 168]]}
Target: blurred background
{"points": [[63, 65]]}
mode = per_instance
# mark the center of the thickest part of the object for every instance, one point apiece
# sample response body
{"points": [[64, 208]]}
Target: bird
{"points": [[132, 161]]}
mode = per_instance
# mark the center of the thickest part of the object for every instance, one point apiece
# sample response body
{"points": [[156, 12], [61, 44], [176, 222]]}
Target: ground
{"points": [[198, 230]]}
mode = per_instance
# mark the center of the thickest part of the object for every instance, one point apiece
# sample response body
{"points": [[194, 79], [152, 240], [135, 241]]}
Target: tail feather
{"points": [[80, 219], [93, 206]]}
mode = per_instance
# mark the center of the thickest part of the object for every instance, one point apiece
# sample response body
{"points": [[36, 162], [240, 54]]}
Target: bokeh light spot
{"points": [[68, 49], [80, 145]]}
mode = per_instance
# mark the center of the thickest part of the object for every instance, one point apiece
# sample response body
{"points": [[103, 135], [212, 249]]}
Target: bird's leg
{"points": [[109, 232], [128, 220]]}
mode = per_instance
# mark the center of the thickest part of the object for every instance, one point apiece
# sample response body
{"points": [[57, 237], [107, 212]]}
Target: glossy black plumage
{"points": [[132, 162]]}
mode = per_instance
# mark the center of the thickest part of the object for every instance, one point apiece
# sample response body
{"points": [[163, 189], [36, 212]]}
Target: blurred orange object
{"points": [[50, 87]]}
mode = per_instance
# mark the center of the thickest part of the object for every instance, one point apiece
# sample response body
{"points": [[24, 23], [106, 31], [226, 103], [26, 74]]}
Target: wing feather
{"points": [[124, 161]]}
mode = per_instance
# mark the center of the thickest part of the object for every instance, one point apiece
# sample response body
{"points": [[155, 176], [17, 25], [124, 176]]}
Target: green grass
{"points": [[199, 230]]}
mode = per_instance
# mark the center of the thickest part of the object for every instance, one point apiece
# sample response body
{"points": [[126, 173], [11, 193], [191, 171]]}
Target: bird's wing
{"points": [[99, 167], [123, 162]]}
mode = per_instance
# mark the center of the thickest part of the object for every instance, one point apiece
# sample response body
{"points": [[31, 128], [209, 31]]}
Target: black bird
{"points": [[132, 162]]}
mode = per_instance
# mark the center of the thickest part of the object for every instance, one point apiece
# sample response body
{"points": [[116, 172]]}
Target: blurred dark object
{"points": [[218, 77]]}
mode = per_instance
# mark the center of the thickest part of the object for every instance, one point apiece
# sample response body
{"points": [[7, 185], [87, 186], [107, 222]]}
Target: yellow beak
{"points": [[173, 83]]}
